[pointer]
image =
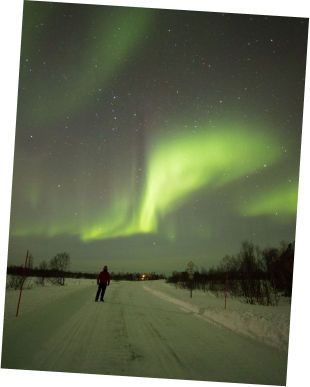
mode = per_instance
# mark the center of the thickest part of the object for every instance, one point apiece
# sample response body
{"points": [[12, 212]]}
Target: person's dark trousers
{"points": [[101, 288]]}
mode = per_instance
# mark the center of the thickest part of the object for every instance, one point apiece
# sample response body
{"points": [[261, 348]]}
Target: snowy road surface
{"points": [[134, 333]]}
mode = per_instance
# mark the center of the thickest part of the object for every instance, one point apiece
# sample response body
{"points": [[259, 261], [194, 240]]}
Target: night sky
{"points": [[148, 138]]}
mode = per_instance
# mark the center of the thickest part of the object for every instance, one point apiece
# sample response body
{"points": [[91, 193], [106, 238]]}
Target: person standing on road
{"points": [[103, 280]]}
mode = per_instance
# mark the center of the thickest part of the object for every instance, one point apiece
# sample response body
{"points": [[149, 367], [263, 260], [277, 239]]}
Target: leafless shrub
{"points": [[15, 282]]}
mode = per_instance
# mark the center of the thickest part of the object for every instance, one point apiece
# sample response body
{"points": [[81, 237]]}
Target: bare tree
{"points": [[29, 263], [247, 267], [285, 268], [58, 266], [43, 267]]}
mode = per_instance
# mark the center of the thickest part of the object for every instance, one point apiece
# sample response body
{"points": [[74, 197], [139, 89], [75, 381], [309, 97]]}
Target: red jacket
{"points": [[104, 277]]}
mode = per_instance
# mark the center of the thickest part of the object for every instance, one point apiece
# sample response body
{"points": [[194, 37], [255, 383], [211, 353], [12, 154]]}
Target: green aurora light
{"points": [[178, 166], [279, 201]]}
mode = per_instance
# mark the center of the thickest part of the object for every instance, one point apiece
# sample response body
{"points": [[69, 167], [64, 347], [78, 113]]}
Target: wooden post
{"points": [[226, 289], [21, 286]]}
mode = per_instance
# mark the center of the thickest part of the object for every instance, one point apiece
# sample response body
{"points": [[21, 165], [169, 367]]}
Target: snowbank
{"points": [[268, 325]]}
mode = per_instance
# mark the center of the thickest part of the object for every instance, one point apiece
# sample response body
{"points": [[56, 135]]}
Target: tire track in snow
{"points": [[93, 340]]}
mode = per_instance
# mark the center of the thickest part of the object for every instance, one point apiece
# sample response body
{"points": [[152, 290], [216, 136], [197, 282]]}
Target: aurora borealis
{"points": [[146, 138]]}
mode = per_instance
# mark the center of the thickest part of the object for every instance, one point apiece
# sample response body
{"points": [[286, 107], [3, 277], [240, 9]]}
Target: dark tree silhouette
{"points": [[58, 266]]}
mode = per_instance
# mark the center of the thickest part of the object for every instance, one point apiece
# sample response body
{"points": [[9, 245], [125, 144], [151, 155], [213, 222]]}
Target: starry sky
{"points": [[147, 138]]}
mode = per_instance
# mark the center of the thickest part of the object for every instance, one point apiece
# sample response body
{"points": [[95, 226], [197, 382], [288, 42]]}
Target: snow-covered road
{"points": [[134, 333]]}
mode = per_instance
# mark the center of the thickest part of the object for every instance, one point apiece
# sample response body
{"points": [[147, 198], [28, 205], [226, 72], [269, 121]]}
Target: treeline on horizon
{"points": [[17, 270], [259, 276], [56, 271]]}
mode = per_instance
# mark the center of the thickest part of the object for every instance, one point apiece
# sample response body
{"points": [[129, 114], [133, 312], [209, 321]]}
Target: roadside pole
{"points": [[21, 286], [190, 272], [226, 289]]}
